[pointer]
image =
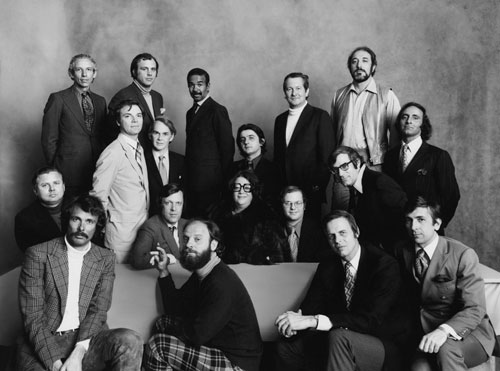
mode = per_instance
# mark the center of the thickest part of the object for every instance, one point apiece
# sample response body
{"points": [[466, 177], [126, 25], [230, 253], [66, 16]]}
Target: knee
{"points": [[339, 338], [421, 364], [128, 340], [449, 350]]}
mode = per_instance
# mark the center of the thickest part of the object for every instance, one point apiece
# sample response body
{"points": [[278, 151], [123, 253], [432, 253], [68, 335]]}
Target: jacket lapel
{"points": [[193, 118], [72, 102], [91, 271], [304, 119], [58, 261], [417, 158], [142, 101], [439, 259]]}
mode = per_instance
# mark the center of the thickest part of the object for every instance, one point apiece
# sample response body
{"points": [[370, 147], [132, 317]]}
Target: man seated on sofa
{"points": [[445, 294], [41, 221], [210, 322], [65, 290], [348, 308], [164, 230]]}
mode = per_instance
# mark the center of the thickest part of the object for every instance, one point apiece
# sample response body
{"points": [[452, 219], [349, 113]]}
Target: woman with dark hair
{"points": [[251, 231]]}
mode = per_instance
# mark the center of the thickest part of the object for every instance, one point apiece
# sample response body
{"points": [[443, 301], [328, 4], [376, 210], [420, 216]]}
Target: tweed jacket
{"points": [[43, 290]]}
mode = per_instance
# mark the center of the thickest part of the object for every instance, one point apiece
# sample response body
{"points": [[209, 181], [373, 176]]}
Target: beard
{"points": [[360, 77], [194, 262]]}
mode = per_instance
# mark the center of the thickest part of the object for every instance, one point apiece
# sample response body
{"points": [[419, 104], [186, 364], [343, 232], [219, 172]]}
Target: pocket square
{"points": [[440, 278]]}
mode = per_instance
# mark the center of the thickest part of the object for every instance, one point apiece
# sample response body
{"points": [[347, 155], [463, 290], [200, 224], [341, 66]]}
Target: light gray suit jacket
{"points": [[453, 292]]}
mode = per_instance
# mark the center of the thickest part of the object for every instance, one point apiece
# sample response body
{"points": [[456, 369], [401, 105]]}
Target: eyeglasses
{"points": [[295, 204], [236, 187], [343, 167]]}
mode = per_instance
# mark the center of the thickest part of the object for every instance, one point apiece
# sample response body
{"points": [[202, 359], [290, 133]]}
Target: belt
{"points": [[61, 333]]}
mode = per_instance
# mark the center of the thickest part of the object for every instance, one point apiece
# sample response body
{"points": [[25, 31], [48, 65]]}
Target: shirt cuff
{"points": [[84, 344], [324, 323], [449, 330]]}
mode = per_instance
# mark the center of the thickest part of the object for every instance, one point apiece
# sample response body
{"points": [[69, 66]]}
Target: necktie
{"points": [[421, 264], [195, 108], [138, 155], [88, 111], [405, 157], [172, 230], [348, 283], [353, 199], [162, 167], [249, 165], [293, 242]]}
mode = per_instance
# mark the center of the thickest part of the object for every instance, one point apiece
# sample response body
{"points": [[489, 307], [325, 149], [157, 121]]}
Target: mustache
{"points": [[79, 234]]}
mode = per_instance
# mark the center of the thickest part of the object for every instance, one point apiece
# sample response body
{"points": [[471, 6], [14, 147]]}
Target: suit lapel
{"points": [[71, 101], [58, 261], [129, 153], [91, 271], [153, 167], [439, 259], [142, 101], [422, 151], [195, 118], [304, 119]]}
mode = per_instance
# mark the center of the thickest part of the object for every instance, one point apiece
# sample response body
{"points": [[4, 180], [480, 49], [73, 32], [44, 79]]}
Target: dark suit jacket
{"points": [[155, 231], [175, 175], [34, 225], [43, 290], [379, 211], [374, 299], [67, 144], [430, 174], [209, 147], [133, 92], [269, 178], [304, 162], [313, 245], [452, 291]]}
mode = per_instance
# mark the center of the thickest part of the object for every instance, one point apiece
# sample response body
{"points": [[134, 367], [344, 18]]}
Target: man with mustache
{"points": [[72, 128], [65, 290], [209, 145], [364, 115], [210, 322]]}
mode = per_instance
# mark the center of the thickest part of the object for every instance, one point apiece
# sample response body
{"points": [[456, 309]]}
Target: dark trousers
{"points": [[117, 349], [347, 350]]}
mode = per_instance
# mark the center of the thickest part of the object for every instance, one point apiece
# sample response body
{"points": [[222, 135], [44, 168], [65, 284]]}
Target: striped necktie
{"points": [[348, 283]]}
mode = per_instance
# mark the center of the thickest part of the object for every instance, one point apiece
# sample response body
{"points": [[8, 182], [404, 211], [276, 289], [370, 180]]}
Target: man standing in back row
{"points": [[364, 115], [209, 145], [144, 71], [72, 127], [303, 140]]}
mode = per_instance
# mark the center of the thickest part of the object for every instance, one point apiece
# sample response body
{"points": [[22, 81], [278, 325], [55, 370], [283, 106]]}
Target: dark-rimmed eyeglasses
{"points": [[343, 167], [236, 187]]}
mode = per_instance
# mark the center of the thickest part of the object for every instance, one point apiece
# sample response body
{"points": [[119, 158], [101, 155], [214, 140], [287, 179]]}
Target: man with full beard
{"points": [[210, 322], [364, 115]]}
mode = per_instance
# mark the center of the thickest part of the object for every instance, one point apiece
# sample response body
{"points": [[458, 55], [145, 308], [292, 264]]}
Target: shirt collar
{"points": [[297, 111], [355, 260], [371, 87], [72, 250], [431, 247], [358, 184], [79, 91], [414, 145], [143, 90], [203, 100], [157, 155], [297, 226], [130, 141]]}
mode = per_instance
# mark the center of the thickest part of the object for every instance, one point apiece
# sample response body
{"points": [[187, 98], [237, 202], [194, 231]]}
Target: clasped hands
{"points": [[290, 322]]}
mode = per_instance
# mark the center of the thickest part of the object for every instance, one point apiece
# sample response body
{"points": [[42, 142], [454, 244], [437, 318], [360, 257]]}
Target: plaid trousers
{"points": [[167, 352]]}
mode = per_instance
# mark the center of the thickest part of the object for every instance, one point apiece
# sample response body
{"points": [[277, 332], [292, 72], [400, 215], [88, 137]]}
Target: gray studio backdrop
{"points": [[443, 54]]}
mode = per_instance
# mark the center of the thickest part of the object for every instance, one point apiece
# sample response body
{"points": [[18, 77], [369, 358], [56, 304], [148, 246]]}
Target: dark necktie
{"points": [[353, 199], [249, 165], [348, 283], [88, 111], [421, 264]]}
